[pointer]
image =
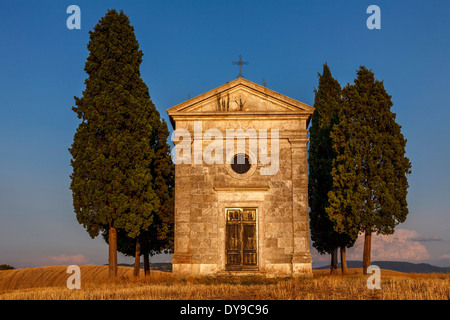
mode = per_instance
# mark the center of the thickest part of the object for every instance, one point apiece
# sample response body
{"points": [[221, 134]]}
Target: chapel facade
{"points": [[241, 193]]}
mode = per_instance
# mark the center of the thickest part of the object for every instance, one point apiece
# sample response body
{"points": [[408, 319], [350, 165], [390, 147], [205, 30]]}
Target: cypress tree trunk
{"points": [[146, 265], [112, 251], [343, 260], [137, 258], [334, 261], [366, 252]]}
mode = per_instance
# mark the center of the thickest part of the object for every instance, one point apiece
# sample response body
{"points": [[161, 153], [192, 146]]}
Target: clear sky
{"points": [[188, 49]]}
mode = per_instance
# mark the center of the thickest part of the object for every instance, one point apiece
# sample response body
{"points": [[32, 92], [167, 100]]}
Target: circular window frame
{"points": [[245, 175], [244, 167]]}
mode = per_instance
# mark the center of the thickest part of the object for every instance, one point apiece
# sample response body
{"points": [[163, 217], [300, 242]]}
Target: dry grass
{"points": [[50, 283]]}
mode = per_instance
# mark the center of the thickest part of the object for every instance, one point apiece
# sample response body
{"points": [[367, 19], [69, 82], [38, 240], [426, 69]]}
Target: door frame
{"points": [[242, 268]]}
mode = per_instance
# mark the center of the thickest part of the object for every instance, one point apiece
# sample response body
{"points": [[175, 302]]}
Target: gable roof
{"points": [[259, 100]]}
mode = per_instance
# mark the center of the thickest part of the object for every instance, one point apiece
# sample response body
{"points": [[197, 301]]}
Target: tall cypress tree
{"points": [[158, 237], [321, 156], [112, 183], [370, 171]]}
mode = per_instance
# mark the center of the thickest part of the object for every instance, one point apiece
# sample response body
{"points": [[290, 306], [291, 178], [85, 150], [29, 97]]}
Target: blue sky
{"points": [[188, 49]]}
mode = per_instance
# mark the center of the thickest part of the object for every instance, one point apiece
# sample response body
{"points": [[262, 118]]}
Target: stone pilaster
{"points": [[301, 257], [182, 257]]}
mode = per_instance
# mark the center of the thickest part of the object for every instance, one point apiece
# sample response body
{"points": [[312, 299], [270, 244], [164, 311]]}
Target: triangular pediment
{"points": [[241, 96]]}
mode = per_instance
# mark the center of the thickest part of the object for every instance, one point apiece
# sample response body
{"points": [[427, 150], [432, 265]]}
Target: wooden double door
{"points": [[241, 239]]}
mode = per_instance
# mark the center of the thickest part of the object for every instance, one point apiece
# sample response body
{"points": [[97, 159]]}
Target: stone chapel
{"points": [[241, 193]]}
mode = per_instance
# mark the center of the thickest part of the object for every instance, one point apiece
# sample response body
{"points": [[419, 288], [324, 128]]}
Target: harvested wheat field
{"points": [[49, 283]]}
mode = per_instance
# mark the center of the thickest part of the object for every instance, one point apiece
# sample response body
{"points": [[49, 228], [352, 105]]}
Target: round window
{"points": [[240, 163]]}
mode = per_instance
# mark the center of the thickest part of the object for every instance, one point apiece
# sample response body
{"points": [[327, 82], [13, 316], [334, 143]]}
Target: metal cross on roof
{"points": [[240, 63]]}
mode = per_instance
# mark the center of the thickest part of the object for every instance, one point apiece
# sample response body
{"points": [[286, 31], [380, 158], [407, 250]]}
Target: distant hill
{"points": [[400, 266], [53, 276], [160, 266]]}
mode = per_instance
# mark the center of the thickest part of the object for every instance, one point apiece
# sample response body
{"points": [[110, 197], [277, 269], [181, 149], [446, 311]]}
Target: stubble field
{"points": [[49, 283]]}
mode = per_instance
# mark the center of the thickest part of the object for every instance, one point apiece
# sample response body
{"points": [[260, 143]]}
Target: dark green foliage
{"points": [[369, 172], [112, 180], [6, 267], [158, 237], [321, 156]]}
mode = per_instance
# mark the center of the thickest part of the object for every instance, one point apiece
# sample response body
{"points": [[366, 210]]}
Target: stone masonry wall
{"points": [[202, 192]]}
